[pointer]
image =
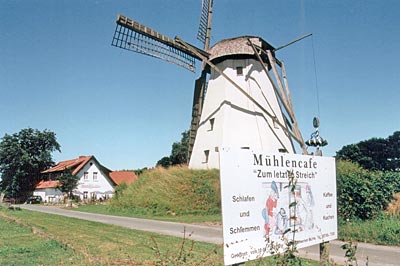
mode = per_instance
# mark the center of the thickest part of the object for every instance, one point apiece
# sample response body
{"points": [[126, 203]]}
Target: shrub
{"points": [[364, 194], [393, 208]]}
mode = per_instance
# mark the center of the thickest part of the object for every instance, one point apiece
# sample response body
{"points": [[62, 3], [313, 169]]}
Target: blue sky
{"points": [[59, 72]]}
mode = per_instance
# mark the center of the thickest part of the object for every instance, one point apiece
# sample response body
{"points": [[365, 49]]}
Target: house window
{"points": [[206, 154], [85, 176], [212, 120], [95, 176], [85, 194], [239, 71]]}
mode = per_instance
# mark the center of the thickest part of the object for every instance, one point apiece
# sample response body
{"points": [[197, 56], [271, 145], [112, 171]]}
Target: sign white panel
{"points": [[256, 199]]}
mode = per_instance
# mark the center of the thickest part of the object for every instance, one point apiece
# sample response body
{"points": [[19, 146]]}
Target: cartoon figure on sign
{"points": [[281, 222], [269, 210]]}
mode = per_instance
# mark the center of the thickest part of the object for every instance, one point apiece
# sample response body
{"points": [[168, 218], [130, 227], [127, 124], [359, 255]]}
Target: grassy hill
{"points": [[173, 191]]}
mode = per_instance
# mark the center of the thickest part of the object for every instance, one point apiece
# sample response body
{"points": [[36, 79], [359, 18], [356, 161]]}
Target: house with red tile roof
{"points": [[49, 191], [95, 180]]}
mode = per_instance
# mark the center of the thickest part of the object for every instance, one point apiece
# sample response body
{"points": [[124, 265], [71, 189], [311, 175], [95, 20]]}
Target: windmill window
{"points": [[239, 71], [85, 176], [94, 176], [206, 154], [212, 120]]}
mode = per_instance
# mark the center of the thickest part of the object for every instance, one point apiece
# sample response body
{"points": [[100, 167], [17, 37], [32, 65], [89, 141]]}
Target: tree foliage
{"points": [[68, 182], [23, 156], [362, 193], [179, 152], [375, 153], [164, 161]]}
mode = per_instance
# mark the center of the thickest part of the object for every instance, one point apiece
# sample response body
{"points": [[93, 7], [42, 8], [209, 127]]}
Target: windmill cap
{"points": [[237, 48]]}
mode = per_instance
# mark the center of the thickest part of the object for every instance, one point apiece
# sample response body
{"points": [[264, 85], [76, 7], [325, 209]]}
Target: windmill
{"points": [[240, 99]]}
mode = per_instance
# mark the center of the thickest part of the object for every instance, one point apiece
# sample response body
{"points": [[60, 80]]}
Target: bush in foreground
{"points": [[364, 194]]}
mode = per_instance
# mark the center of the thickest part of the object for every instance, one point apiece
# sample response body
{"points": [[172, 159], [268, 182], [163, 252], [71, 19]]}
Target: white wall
{"points": [[90, 185], [239, 123], [49, 194]]}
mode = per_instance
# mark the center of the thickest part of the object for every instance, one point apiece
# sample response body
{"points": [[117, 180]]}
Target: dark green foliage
{"points": [[364, 194], [374, 154], [164, 162], [179, 152], [139, 171], [350, 253], [23, 156], [68, 182]]}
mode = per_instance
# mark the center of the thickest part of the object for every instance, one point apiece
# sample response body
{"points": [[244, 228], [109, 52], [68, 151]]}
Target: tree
{"points": [[164, 162], [23, 156], [375, 153], [179, 152], [68, 182]]}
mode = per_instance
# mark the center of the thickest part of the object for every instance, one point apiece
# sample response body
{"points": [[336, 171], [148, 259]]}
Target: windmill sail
{"points": [[135, 37], [200, 88], [203, 34], [240, 104]]}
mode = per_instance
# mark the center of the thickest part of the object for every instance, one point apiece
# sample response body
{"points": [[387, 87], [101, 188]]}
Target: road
{"points": [[367, 254]]}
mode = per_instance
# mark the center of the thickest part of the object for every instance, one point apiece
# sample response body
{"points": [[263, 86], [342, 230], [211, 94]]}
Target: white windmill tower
{"points": [[240, 100]]}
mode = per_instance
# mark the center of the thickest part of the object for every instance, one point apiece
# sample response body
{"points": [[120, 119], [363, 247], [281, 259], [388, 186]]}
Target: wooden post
{"points": [[324, 246], [324, 254]]}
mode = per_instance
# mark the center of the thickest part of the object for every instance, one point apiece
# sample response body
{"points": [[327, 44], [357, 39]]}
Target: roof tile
{"points": [[48, 184], [120, 177], [74, 164]]}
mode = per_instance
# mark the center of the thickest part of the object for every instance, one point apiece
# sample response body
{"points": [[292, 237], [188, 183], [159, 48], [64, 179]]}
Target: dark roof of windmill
{"points": [[237, 47]]}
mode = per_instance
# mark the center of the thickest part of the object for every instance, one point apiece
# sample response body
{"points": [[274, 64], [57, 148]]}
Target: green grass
{"points": [[183, 218], [170, 192], [384, 230], [88, 243], [33, 238], [20, 246]]}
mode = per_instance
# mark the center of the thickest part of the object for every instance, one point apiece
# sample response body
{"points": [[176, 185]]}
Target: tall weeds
{"points": [[173, 191]]}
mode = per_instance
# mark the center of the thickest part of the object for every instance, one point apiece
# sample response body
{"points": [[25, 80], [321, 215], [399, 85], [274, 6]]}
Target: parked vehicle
{"points": [[34, 200], [9, 199]]}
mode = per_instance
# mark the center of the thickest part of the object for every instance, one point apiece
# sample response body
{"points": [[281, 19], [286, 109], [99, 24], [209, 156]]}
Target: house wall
{"points": [[51, 195], [92, 187]]}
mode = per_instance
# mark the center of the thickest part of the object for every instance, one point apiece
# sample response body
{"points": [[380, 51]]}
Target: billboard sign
{"points": [[260, 211]]}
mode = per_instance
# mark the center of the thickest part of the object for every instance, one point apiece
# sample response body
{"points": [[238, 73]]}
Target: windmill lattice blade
{"points": [[202, 33], [133, 36]]}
